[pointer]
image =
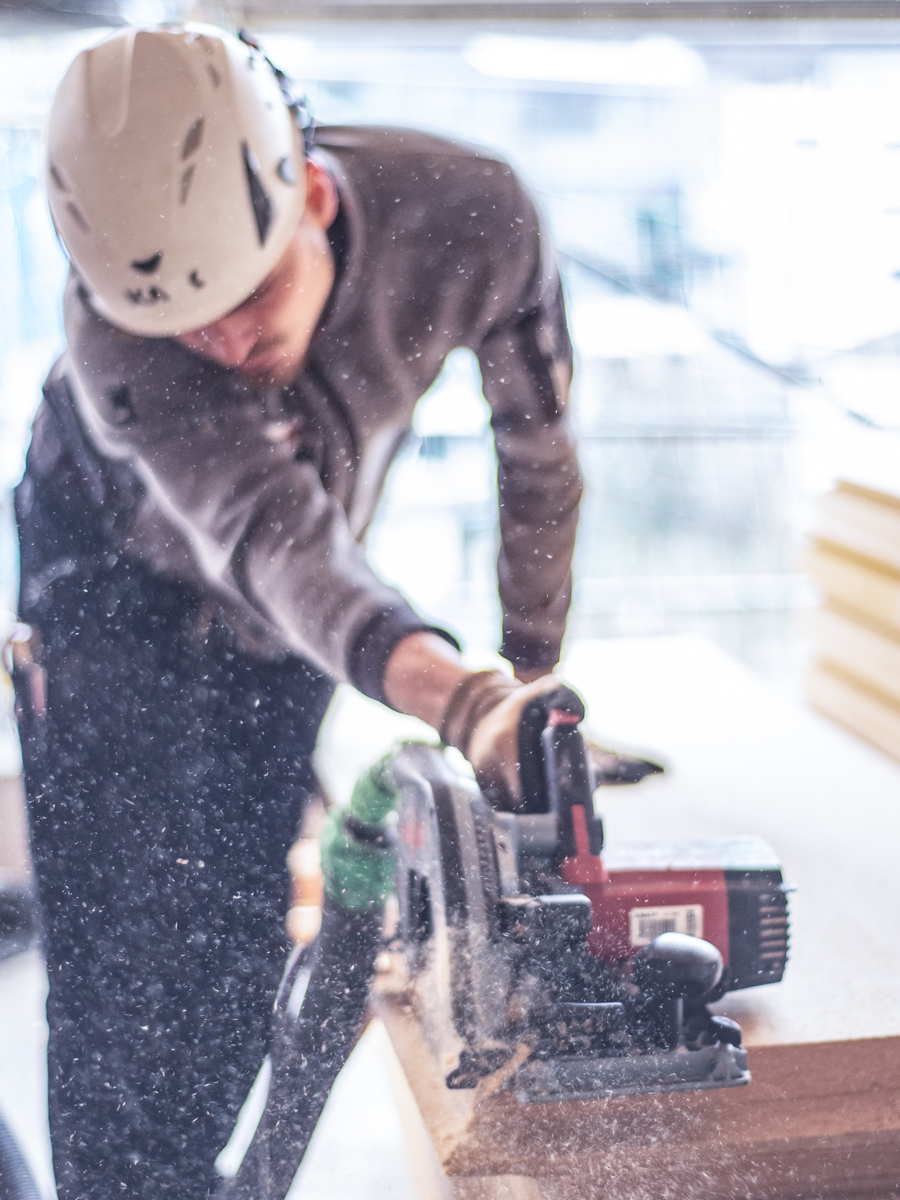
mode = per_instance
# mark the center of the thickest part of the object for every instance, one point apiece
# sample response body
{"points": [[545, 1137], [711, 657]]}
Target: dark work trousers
{"points": [[165, 784]]}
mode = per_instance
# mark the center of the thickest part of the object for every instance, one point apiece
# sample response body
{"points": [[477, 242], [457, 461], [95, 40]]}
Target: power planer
{"points": [[574, 973]]}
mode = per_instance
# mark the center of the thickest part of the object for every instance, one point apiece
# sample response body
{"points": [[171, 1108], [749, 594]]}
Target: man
{"points": [[250, 324]]}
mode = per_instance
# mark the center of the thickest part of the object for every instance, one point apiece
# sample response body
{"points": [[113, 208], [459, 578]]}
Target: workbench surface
{"points": [[822, 1114], [743, 760]]}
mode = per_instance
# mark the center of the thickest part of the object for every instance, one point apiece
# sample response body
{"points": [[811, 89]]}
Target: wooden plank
{"points": [[816, 1120], [856, 583], [882, 496], [422, 1159], [859, 708], [868, 654], [861, 520]]}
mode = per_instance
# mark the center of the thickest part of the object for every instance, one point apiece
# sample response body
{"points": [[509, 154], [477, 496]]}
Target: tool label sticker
{"points": [[645, 924]]}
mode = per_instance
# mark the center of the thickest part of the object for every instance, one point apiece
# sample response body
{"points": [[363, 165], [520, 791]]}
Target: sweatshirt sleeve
{"points": [[526, 365], [262, 527]]}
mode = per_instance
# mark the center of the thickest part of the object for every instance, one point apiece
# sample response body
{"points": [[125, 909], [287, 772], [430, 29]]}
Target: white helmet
{"points": [[175, 175]]}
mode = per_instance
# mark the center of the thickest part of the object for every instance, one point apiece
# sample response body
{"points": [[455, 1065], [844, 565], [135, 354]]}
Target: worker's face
{"points": [[266, 337]]}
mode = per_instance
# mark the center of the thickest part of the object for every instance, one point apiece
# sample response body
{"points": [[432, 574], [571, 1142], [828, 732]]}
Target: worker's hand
{"points": [[493, 747], [428, 679], [484, 718]]}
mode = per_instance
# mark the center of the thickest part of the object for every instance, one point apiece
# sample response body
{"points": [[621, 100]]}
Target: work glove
{"points": [[484, 720], [357, 846], [496, 722]]}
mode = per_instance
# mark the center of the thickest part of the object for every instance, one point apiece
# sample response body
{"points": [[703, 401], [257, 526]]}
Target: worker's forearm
{"points": [[421, 675]]}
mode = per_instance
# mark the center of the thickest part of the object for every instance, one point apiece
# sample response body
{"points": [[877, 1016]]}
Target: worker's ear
{"points": [[321, 196]]}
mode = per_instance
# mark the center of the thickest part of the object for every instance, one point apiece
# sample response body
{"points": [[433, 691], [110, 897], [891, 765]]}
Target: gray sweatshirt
{"points": [[262, 497]]}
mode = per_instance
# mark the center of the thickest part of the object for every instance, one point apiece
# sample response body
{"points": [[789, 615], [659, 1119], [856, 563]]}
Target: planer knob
{"points": [[674, 973], [675, 964]]}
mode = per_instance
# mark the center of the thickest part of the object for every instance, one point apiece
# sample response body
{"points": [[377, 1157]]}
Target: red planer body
{"points": [[641, 891]]}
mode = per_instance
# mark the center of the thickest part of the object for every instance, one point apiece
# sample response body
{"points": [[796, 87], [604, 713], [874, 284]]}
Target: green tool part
{"points": [[357, 862]]}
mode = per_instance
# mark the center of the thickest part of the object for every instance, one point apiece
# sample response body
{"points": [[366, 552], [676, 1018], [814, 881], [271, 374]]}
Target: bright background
{"points": [[726, 205]]}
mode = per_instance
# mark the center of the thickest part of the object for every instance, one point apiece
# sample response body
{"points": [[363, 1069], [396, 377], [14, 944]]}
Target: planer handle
{"points": [[554, 768]]}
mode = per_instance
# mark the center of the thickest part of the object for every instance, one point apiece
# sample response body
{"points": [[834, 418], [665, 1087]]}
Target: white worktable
{"points": [[744, 760]]}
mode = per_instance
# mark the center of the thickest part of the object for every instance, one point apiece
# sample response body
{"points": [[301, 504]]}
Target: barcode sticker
{"points": [[645, 924]]}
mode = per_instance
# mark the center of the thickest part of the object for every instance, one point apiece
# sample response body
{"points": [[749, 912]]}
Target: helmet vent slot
{"points": [[259, 197], [57, 178], [286, 171], [149, 265], [214, 75], [192, 141], [79, 220], [186, 178]]}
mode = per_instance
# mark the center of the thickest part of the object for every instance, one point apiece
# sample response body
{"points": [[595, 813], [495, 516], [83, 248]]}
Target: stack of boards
{"points": [[855, 559]]}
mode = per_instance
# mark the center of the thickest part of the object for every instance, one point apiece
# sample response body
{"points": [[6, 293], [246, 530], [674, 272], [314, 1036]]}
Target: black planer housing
{"points": [[592, 975]]}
